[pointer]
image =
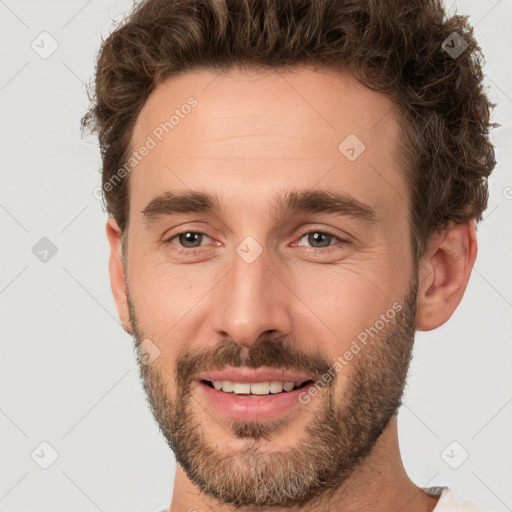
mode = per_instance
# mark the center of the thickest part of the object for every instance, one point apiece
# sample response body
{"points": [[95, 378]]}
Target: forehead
{"points": [[262, 129], [327, 102]]}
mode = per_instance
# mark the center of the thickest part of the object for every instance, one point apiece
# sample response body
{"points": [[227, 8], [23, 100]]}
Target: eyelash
{"points": [[324, 250]]}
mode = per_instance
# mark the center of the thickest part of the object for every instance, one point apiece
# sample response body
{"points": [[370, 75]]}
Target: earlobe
{"points": [[444, 274], [116, 271]]}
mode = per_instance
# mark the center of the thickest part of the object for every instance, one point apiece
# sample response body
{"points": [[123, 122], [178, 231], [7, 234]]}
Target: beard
{"points": [[340, 434]]}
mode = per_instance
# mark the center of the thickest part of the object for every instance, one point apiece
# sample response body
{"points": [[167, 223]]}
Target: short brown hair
{"points": [[393, 46]]}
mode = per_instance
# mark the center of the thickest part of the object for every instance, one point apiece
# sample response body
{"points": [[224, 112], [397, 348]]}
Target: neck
{"points": [[379, 483]]}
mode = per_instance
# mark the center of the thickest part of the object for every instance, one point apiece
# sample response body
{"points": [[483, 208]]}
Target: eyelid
{"points": [[168, 239], [304, 231], [346, 238], [165, 237]]}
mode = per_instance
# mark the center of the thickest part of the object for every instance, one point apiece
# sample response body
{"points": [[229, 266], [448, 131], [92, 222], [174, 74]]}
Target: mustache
{"points": [[269, 353]]}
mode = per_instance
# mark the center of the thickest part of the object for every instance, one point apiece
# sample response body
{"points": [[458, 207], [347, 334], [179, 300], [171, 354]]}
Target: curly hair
{"points": [[394, 46]]}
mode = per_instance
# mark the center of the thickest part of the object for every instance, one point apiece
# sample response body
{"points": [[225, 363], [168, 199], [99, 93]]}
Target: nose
{"points": [[252, 300]]}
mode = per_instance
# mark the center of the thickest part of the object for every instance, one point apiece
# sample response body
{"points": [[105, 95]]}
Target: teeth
{"points": [[260, 388], [256, 388], [276, 387], [227, 386], [243, 389], [288, 386]]}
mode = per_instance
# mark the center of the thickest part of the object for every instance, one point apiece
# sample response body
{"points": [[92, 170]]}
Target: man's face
{"points": [[271, 279]]}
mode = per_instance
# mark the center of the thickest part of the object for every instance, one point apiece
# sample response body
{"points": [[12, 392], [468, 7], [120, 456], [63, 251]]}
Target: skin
{"points": [[253, 135]]}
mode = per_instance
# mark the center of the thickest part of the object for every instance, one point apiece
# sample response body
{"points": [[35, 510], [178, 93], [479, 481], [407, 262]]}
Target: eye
{"points": [[321, 239], [189, 239]]}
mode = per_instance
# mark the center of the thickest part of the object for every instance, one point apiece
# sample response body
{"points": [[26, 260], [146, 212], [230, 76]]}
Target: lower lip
{"points": [[252, 407]]}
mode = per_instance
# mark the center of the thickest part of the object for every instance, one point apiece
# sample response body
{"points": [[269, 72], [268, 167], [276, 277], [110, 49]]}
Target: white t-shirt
{"points": [[447, 502]]}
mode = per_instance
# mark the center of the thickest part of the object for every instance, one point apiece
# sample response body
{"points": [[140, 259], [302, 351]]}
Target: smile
{"points": [[255, 388]]}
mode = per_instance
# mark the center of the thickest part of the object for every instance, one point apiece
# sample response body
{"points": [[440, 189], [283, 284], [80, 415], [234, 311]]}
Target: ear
{"points": [[444, 273], [117, 277]]}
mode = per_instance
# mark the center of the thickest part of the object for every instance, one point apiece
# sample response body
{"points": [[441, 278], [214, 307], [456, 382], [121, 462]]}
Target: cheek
{"points": [[166, 297], [344, 301]]}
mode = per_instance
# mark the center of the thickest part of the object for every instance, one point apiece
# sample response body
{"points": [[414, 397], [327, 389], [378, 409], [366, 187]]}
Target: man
{"points": [[293, 190]]}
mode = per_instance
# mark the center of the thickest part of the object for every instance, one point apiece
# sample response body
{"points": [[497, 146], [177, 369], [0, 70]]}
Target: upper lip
{"points": [[246, 375]]}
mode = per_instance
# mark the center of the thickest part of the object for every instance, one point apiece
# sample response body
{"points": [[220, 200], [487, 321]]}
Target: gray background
{"points": [[67, 369]]}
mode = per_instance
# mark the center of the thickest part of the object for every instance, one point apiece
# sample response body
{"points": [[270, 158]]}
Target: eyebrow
{"points": [[309, 201]]}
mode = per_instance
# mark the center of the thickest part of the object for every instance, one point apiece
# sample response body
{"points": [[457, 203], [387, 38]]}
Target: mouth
{"points": [[255, 388], [253, 395]]}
